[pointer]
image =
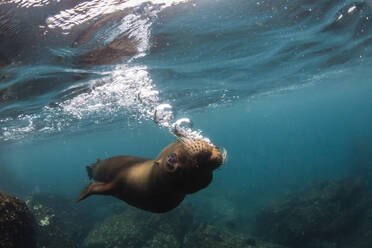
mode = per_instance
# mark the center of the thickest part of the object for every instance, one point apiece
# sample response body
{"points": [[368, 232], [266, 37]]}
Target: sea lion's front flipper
{"points": [[95, 188]]}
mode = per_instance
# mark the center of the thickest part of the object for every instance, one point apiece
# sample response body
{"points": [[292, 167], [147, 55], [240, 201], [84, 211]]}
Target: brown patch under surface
{"points": [[117, 50]]}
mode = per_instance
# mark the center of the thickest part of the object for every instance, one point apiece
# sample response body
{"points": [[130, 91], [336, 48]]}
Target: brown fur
{"points": [[155, 184]]}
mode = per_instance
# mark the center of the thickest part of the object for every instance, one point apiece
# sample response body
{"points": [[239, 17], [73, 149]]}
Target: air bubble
{"points": [[163, 114], [351, 9], [183, 127], [183, 123]]}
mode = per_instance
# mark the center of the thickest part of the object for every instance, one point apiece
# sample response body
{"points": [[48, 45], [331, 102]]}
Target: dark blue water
{"points": [[284, 86]]}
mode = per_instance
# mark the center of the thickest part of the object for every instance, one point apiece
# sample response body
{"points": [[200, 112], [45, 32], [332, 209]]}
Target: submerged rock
{"points": [[66, 217], [208, 236], [361, 237], [16, 223], [325, 213], [47, 232], [136, 228]]}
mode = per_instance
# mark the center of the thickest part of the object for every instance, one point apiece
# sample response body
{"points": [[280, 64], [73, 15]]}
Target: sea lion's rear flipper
{"points": [[95, 188]]}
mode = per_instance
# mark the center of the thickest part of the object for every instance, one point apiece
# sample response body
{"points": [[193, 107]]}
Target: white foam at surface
{"points": [[115, 93], [27, 3], [124, 89], [90, 10]]}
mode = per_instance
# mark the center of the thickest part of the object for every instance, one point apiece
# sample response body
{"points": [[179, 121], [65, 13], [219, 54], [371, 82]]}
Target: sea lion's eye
{"points": [[172, 159]]}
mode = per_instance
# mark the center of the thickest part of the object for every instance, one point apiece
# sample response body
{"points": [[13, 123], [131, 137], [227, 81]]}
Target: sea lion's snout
{"points": [[205, 154], [216, 158]]}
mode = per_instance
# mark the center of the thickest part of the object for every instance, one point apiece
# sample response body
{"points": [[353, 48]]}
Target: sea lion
{"points": [[156, 185]]}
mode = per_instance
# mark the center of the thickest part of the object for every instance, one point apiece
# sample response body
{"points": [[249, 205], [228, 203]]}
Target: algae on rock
{"points": [[139, 229], [47, 232], [208, 236], [16, 223], [322, 214]]}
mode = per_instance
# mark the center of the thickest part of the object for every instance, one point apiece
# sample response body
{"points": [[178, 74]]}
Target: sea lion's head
{"points": [[189, 164]]}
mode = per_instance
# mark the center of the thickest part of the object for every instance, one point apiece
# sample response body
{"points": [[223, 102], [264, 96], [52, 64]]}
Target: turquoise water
{"points": [[284, 86]]}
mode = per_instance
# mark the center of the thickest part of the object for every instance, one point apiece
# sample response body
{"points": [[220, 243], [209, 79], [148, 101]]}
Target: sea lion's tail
{"points": [[95, 188], [86, 191]]}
